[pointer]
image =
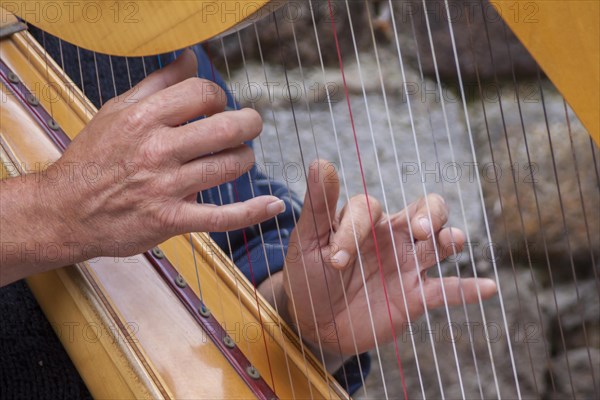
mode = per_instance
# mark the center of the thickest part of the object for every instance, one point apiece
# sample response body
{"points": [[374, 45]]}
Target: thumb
{"points": [[320, 204]]}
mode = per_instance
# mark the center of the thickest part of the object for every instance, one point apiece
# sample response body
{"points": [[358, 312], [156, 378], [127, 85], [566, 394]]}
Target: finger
{"points": [[203, 218], [358, 218], [320, 204], [213, 134], [455, 288], [211, 171], [185, 66], [429, 216], [183, 101], [448, 242]]}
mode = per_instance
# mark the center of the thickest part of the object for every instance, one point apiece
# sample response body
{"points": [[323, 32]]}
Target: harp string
{"points": [[403, 192], [485, 218], [438, 164], [425, 194], [580, 304], [128, 72], [80, 71], [249, 258], [487, 129], [364, 184], [538, 212], [232, 187], [444, 191], [310, 198], [587, 232], [260, 141], [330, 217], [191, 240], [542, 230], [436, 253], [177, 257], [112, 74], [270, 191], [478, 179], [596, 169], [227, 234], [98, 79], [581, 199], [329, 101], [47, 71], [230, 253], [343, 174], [381, 175], [303, 261]]}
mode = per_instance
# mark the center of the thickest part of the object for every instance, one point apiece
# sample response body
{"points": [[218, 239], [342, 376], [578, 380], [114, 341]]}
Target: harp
{"points": [[517, 163]]}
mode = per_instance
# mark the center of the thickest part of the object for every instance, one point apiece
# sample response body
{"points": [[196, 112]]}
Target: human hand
{"points": [[134, 171], [323, 281]]}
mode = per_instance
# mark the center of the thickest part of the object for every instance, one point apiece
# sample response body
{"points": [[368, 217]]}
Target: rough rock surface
{"points": [[419, 138], [476, 26], [552, 186]]}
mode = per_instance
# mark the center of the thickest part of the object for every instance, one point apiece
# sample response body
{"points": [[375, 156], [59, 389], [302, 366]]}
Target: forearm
{"points": [[273, 291], [30, 229]]}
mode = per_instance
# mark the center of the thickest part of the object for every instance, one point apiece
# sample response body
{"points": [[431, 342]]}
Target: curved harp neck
{"points": [[138, 28], [564, 38]]}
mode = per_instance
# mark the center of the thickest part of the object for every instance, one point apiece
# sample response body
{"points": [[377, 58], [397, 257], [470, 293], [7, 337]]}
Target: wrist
{"points": [[273, 290], [53, 199]]}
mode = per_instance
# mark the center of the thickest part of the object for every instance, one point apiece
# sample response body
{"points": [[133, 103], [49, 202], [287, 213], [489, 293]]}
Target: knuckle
{"points": [[198, 84], [226, 130], [375, 204], [250, 215], [218, 220], [367, 201], [436, 196], [170, 220], [352, 229], [135, 118], [438, 200], [110, 104], [359, 200], [153, 154], [211, 92]]}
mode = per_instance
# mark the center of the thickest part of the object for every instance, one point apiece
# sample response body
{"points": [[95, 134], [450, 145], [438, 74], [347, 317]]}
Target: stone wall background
{"points": [[546, 240]]}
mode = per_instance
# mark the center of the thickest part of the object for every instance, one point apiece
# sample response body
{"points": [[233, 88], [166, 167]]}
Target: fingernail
{"points": [[488, 286], [341, 259], [424, 222], [276, 207]]}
